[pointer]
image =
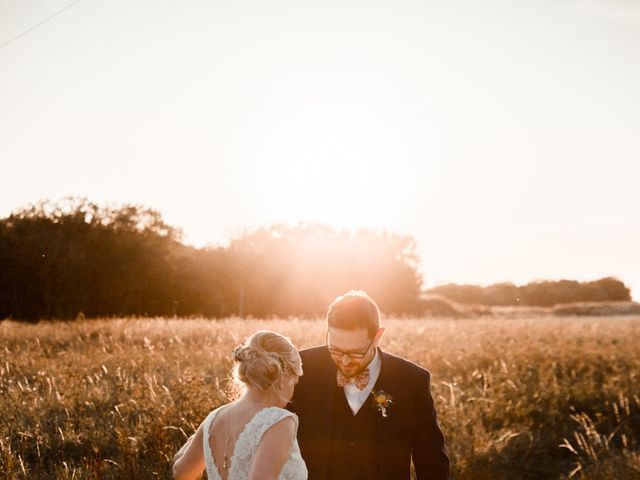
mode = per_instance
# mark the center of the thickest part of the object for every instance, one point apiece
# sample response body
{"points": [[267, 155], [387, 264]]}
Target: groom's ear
{"points": [[378, 336]]}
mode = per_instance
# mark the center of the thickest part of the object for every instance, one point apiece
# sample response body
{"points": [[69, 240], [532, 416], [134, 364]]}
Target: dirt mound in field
{"points": [[440, 306], [597, 309]]}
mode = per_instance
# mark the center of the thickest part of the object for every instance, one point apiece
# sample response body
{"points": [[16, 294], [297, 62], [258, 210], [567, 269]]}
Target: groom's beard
{"points": [[353, 368]]}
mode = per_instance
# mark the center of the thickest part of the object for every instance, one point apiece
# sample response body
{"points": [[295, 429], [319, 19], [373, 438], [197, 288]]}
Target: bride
{"points": [[253, 437]]}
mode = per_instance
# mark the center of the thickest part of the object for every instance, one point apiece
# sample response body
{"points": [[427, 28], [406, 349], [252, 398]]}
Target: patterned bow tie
{"points": [[361, 380]]}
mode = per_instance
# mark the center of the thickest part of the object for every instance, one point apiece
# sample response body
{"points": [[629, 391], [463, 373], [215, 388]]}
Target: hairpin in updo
{"points": [[287, 369], [237, 356]]}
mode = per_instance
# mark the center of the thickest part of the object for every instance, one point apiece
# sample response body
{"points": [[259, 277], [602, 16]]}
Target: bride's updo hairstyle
{"points": [[264, 359]]}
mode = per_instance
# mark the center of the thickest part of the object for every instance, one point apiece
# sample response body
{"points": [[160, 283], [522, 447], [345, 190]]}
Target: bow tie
{"points": [[361, 380]]}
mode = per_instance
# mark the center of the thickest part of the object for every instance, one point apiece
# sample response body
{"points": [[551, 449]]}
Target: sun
{"points": [[338, 194], [330, 173]]}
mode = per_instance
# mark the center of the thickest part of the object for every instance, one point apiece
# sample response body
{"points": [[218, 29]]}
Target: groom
{"points": [[365, 414]]}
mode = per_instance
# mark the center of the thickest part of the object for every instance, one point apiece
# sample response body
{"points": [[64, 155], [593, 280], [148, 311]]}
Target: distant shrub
{"points": [[438, 306]]}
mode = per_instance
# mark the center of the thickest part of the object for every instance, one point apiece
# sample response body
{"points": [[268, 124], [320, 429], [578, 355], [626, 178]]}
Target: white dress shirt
{"points": [[356, 397]]}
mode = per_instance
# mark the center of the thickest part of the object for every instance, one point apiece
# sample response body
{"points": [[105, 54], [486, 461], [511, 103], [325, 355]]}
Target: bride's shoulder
{"points": [[213, 413], [219, 409], [272, 415], [277, 412], [277, 422]]}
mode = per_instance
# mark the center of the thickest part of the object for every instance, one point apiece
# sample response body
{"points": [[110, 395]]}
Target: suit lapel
{"points": [[329, 391], [383, 425]]}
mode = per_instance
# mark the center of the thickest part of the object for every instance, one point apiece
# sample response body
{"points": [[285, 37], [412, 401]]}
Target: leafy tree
{"points": [[70, 257], [282, 270], [61, 259]]}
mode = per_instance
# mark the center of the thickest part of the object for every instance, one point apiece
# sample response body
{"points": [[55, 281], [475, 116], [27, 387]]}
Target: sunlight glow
{"points": [[507, 154]]}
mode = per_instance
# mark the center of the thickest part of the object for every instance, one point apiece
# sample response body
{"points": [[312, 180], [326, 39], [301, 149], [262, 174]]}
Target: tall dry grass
{"points": [[536, 398]]}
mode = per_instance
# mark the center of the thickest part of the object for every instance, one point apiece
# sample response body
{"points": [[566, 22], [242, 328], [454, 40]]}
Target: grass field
{"points": [[534, 398]]}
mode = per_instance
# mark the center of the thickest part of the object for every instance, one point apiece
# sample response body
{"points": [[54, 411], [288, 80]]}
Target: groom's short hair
{"points": [[353, 310]]}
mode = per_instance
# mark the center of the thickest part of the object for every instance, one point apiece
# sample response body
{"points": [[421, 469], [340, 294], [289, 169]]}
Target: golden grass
{"points": [[535, 398]]}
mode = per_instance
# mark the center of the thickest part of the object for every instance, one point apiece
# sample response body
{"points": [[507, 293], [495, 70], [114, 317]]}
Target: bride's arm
{"points": [[188, 463], [273, 450], [183, 448]]}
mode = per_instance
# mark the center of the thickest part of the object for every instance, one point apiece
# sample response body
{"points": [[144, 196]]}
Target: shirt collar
{"points": [[374, 365]]}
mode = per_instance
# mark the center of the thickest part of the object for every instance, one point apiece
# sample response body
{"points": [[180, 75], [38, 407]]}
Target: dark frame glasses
{"points": [[336, 352]]}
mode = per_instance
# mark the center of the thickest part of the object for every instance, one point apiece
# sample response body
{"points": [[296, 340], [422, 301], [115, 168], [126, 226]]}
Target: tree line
{"points": [[540, 294], [62, 259], [69, 258]]}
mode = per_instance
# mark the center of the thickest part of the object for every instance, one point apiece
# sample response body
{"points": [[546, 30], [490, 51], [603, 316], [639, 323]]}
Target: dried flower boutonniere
{"points": [[382, 401]]}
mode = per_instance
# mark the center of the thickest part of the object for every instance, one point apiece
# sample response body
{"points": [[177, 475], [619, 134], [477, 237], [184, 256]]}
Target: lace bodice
{"points": [[247, 443]]}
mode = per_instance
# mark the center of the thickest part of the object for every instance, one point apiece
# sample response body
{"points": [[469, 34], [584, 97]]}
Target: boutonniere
{"points": [[382, 401]]}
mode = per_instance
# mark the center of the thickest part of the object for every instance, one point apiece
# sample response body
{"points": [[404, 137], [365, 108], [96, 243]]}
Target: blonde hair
{"points": [[264, 359]]}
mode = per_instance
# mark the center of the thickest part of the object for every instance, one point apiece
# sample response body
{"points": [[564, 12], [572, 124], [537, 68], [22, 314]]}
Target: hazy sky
{"points": [[503, 135]]}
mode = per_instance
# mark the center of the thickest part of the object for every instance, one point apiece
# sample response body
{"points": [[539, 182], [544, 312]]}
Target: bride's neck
{"points": [[253, 397]]}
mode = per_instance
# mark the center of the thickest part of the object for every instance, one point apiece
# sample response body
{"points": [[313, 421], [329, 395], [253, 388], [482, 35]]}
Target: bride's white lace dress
{"points": [[247, 443]]}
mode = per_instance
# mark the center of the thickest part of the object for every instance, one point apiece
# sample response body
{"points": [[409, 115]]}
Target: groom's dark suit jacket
{"points": [[410, 431]]}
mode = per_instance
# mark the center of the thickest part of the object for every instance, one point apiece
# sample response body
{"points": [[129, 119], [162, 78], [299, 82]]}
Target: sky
{"points": [[504, 136]]}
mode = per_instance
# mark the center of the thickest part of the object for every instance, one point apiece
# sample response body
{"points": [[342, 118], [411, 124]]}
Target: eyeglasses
{"points": [[336, 352]]}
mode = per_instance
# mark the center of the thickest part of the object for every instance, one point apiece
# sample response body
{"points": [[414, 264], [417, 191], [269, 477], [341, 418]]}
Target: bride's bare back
{"points": [[262, 446], [224, 431]]}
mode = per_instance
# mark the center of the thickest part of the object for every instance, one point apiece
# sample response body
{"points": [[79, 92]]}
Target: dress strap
{"points": [[212, 470], [251, 436], [268, 418]]}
